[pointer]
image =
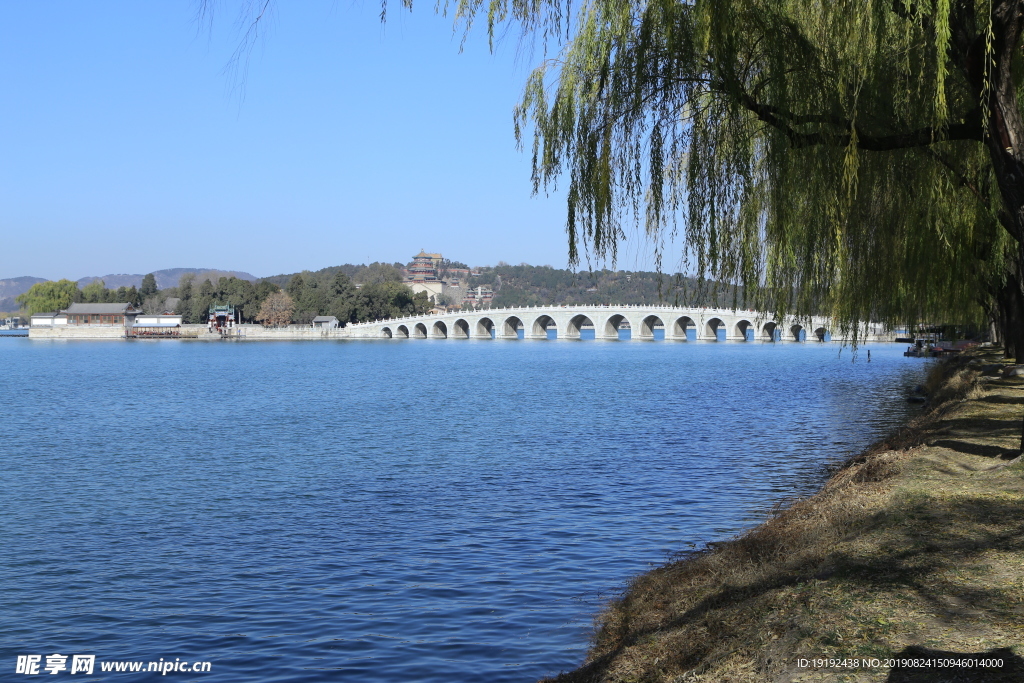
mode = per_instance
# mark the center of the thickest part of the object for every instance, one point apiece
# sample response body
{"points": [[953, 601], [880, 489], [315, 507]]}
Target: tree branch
{"points": [[969, 129]]}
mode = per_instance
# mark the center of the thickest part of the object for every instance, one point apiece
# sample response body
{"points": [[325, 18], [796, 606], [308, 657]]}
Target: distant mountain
{"points": [[166, 278], [12, 287]]}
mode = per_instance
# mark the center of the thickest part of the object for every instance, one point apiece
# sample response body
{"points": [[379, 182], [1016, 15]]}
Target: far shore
{"points": [[908, 565]]}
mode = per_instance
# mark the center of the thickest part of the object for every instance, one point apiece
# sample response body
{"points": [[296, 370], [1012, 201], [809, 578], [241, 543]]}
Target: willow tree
{"points": [[864, 159]]}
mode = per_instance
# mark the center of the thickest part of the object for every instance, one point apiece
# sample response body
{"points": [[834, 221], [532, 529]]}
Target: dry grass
{"points": [[917, 543]]}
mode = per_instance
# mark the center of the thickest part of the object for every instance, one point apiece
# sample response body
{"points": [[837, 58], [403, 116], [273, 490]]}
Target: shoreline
{"points": [[913, 549], [243, 333]]}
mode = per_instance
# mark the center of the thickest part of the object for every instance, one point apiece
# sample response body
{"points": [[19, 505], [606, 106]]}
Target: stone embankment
{"points": [[196, 332], [907, 566]]}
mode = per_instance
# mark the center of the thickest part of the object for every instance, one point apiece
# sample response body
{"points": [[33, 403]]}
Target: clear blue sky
{"points": [[126, 147]]}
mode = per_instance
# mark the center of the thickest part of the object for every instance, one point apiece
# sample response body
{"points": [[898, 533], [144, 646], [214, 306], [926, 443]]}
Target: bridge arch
{"points": [[402, 332], [439, 330], [386, 332], [745, 330], [682, 327], [770, 332], [485, 328], [715, 329], [541, 324], [610, 328], [798, 333], [420, 331], [460, 329], [572, 329], [647, 325], [823, 334], [510, 327]]}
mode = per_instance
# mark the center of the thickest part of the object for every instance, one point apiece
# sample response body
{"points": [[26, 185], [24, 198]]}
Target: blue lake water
{"points": [[395, 510]]}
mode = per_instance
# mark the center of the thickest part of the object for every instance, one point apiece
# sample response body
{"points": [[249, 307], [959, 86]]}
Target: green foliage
{"points": [[184, 307], [202, 298], [128, 295], [341, 295], [331, 291], [377, 273], [826, 156], [96, 292], [49, 297], [525, 285], [148, 287], [246, 297], [387, 300]]}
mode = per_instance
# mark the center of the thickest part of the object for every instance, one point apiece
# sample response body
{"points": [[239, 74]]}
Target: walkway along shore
{"points": [[911, 554]]}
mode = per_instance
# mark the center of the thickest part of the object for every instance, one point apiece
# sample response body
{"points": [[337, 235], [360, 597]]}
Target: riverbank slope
{"points": [[914, 550]]}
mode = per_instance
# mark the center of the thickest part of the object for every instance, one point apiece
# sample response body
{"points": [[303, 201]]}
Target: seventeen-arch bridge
{"points": [[567, 322]]}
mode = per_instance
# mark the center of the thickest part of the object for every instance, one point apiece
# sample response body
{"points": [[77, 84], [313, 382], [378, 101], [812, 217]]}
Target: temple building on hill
{"points": [[423, 267], [426, 273], [422, 276]]}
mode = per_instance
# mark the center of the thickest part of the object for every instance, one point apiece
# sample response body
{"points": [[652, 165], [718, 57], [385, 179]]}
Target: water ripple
{"points": [[394, 511]]}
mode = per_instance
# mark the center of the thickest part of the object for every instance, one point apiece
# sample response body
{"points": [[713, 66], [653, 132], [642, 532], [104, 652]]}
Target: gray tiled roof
{"points": [[101, 309]]}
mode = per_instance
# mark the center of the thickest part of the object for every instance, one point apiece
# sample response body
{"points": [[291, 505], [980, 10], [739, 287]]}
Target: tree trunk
{"points": [[1009, 314], [1005, 141]]}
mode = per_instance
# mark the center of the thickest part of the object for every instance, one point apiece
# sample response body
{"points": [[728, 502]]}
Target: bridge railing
{"points": [[576, 307]]}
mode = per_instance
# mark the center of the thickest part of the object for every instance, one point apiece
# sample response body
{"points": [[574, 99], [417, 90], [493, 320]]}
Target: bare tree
{"points": [[276, 310]]}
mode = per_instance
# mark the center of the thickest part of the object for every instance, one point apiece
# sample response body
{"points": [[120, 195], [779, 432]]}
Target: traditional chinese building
{"points": [[107, 315], [423, 267], [51, 319], [156, 326], [479, 296], [222, 318]]}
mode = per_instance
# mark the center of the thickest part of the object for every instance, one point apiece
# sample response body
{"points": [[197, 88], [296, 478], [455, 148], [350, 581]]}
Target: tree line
{"points": [[52, 296], [357, 293], [306, 295], [526, 285]]}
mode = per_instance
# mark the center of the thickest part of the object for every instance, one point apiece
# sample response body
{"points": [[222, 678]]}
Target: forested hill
{"points": [[526, 285], [330, 291], [168, 277], [357, 273]]}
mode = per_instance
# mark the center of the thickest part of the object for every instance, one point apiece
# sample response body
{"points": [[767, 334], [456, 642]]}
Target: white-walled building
{"points": [[49, 319]]}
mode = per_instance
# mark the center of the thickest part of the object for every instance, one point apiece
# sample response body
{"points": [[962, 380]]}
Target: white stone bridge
{"points": [[682, 324]]}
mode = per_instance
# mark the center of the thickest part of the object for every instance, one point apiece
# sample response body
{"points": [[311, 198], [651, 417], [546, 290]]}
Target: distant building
{"points": [[433, 288], [105, 315], [156, 326], [423, 275], [221, 318], [326, 322], [49, 319], [479, 296], [423, 267]]}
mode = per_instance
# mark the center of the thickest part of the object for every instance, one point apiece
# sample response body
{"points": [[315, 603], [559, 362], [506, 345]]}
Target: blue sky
{"points": [[126, 145]]}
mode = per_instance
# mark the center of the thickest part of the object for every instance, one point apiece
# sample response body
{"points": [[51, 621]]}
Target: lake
{"points": [[394, 510]]}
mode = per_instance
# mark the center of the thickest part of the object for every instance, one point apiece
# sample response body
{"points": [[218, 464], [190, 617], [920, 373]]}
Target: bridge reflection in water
{"points": [[566, 322]]}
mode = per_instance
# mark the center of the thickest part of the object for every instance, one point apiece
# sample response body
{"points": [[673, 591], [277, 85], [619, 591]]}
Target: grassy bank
{"points": [[915, 549]]}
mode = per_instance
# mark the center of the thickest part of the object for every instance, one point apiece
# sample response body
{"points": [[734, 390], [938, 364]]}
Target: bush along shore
{"points": [[908, 565]]}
